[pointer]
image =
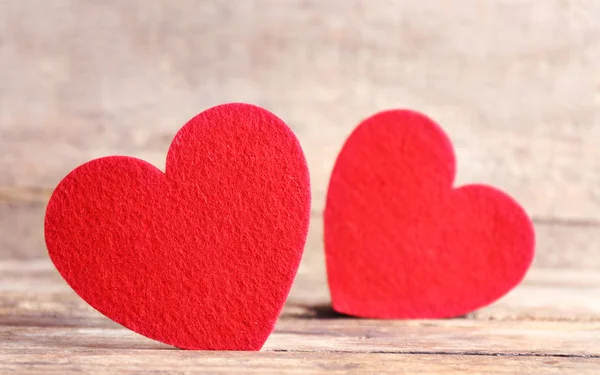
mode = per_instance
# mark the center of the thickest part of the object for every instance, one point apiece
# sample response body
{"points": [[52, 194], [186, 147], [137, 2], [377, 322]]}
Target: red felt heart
{"points": [[202, 256], [401, 242]]}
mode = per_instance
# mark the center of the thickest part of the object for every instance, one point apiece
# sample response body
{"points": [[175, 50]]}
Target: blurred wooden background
{"points": [[515, 83]]}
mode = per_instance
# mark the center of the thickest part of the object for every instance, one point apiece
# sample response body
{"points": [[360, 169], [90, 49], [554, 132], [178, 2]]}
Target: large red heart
{"points": [[202, 256], [401, 242]]}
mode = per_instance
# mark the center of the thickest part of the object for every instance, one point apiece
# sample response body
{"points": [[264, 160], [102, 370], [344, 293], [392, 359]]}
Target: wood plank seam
{"points": [[451, 353]]}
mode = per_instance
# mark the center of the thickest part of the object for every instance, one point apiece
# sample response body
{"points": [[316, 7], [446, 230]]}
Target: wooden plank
{"points": [[22, 230], [563, 285], [41, 321], [456, 336], [92, 361], [561, 245], [519, 99], [32, 293]]}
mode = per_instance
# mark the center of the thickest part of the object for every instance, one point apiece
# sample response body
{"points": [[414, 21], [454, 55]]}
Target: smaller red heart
{"points": [[401, 242], [202, 256]]}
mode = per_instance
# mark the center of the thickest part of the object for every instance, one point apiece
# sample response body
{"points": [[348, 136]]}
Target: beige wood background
{"points": [[515, 83]]}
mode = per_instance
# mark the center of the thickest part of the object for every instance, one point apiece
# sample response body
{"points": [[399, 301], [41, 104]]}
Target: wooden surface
{"points": [[516, 84]]}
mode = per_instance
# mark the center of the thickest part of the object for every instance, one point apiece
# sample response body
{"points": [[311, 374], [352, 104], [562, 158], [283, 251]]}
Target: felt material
{"points": [[202, 256], [400, 242]]}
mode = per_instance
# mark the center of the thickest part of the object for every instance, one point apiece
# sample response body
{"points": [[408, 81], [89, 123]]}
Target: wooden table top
{"points": [[514, 83], [549, 323]]}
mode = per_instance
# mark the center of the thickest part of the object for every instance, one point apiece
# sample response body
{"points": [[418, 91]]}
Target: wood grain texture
{"points": [[129, 361], [518, 94], [46, 328], [458, 336], [32, 292], [553, 317]]}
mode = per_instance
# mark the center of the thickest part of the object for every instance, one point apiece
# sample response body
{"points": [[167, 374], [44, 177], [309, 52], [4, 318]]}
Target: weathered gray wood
{"points": [[32, 293], [22, 230], [46, 328], [457, 336], [123, 361], [515, 83]]}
